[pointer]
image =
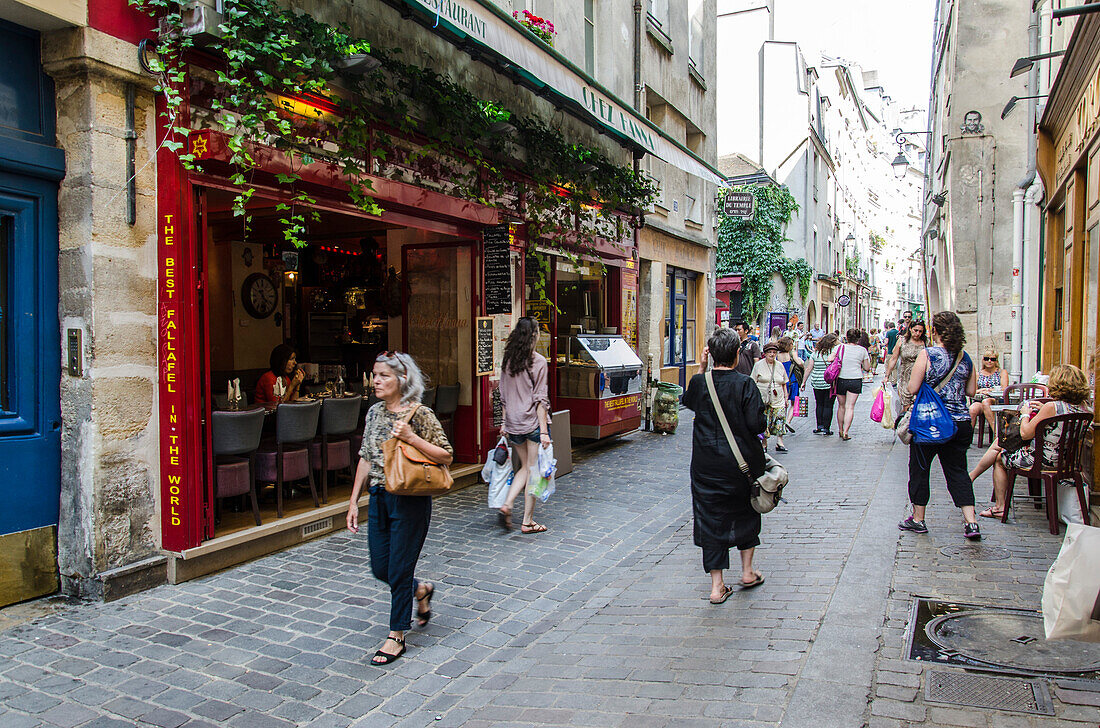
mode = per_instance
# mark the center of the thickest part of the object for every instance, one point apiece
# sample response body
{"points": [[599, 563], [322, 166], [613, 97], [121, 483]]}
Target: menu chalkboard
{"points": [[498, 269], [486, 352]]}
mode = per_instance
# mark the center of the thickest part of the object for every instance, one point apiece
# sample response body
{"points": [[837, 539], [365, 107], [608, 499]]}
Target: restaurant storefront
{"points": [[1069, 165]]}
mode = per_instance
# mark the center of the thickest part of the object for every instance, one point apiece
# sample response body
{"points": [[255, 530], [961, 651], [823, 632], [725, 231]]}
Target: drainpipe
{"points": [[638, 54], [1018, 203]]}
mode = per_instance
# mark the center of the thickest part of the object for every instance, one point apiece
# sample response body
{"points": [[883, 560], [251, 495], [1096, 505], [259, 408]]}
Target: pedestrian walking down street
{"points": [[849, 385], [874, 351], [523, 394], [397, 524], [933, 365], [795, 368], [749, 351], [720, 492], [912, 343], [824, 351], [771, 379]]}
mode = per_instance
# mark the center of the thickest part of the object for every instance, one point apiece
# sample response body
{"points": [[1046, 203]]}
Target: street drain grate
{"points": [[983, 691], [976, 552], [995, 639]]}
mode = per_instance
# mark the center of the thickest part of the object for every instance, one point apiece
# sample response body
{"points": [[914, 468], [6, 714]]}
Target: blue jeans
{"points": [[396, 528]]}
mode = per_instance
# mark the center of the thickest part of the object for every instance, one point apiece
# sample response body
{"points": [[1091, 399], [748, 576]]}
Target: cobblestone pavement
{"points": [[602, 621]]}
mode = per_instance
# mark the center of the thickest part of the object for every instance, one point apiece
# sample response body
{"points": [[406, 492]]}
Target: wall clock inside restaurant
{"points": [[259, 295]]}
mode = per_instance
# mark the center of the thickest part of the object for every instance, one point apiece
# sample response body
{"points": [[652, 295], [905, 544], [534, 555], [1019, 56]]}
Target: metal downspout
{"points": [[1018, 201]]}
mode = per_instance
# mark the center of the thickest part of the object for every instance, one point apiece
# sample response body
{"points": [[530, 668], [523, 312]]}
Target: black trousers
{"points": [[396, 528], [716, 558], [823, 402], [952, 455]]}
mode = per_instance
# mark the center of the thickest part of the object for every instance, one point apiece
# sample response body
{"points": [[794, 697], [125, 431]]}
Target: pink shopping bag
{"points": [[879, 407]]}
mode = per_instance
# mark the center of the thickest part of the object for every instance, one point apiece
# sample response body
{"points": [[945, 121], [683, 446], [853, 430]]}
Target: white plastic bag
{"points": [[542, 474], [1071, 593], [499, 477], [895, 402], [1069, 505]]}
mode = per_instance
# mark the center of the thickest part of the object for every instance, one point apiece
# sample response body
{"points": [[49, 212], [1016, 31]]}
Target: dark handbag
{"points": [[1009, 429]]}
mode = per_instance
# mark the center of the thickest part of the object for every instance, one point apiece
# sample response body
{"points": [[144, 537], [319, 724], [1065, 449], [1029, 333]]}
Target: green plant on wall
{"points": [[851, 263], [878, 243], [572, 196], [754, 249]]}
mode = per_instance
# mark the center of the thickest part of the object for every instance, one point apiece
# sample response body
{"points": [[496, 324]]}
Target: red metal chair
{"points": [[1016, 393], [1068, 455]]}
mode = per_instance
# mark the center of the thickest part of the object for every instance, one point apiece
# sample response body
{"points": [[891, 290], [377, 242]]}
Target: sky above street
{"points": [[891, 36]]}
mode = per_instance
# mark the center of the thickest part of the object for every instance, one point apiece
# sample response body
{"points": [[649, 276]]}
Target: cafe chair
{"points": [[235, 438], [1069, 452], [289, 459], [221, 401], [339, 420], [446, 404], [1016, 393], [428, 400]]}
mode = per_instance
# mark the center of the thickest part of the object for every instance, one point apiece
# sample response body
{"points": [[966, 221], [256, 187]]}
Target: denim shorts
{"points": [[533, 436]]}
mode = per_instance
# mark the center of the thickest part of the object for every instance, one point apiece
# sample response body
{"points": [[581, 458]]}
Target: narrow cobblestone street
{"points": [[602, 621]]}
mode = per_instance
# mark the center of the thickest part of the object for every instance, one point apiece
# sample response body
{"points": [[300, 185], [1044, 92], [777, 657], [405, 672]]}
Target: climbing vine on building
{"points": [[466, 146], [753, 248]]}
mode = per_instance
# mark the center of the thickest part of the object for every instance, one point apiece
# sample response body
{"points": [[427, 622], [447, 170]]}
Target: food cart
{"points": [[600, 382]]}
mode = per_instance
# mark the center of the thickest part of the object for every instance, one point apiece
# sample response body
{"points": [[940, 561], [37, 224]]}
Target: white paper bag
{"points": [[1071, 593], [1069, 505]]}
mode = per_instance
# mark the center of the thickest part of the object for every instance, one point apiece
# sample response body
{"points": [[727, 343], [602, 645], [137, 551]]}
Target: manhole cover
{"points": [[996, 639], [974, 552], [982, 691], [1014, 640]]}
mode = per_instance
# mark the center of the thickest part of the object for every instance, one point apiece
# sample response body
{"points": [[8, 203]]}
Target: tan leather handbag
{"points": [[411, 472]]}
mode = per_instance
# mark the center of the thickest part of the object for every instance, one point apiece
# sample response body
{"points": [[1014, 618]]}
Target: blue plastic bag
{"points": [[929, 421]]}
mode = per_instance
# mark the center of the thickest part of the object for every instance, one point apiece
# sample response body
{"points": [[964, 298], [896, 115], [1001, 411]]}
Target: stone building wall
{"points": [[107, 268]]}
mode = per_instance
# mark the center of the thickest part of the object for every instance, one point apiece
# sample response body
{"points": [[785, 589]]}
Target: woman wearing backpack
{"points": [[947, 366]]}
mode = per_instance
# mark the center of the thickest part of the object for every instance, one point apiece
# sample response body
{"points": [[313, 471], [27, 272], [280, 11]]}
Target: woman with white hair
{"points": [[397, 524]]}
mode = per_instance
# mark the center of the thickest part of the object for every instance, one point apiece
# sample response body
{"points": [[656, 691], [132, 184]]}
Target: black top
{"points": [[749, 353], [744, 410]]}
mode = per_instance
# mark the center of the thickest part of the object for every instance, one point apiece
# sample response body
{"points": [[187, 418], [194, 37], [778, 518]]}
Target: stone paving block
{"points": [[66, 715]]}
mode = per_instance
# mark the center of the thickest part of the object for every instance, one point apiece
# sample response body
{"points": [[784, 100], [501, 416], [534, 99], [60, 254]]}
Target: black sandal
{"points": [[425, 616], [387, 658]]}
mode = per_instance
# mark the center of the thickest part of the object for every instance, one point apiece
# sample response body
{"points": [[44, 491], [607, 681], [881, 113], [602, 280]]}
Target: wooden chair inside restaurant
{"points": [[288, 457], [339, 420], [446, 404], [1067, 465], [235, 437]]}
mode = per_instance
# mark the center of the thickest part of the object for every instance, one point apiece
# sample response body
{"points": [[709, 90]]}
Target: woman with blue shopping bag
{"points": [[943, 375]]}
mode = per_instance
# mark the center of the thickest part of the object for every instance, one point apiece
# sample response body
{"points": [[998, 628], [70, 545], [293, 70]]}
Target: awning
{"points": [[551, 74], [728, 283]]}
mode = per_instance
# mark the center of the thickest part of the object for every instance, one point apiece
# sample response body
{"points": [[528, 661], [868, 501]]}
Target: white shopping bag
{"points": [[895, 402], [1071, 593], [1069, 506], [499, 477]]}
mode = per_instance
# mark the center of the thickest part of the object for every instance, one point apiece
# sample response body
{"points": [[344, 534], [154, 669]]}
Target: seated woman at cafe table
{"points": [[992, 380], [1069, 391], [284, 365]]}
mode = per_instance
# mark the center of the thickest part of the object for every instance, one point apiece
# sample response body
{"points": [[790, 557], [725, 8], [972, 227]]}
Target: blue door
{"points": [[30, 353]]}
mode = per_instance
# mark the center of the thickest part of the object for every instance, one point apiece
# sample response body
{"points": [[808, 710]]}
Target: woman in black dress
{"points": [[720, 492]]}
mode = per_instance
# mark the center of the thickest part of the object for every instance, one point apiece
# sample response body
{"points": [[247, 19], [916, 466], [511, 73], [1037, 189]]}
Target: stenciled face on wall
{"points": [[972, 123]]}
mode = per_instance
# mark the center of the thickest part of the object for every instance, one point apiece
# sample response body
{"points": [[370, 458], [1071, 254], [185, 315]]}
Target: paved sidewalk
{"points": [[603, 621]]}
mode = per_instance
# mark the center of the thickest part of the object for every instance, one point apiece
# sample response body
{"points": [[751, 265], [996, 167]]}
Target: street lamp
{"points": [[850, 239], [900, 165], [1012, 103], [1023, 65]]}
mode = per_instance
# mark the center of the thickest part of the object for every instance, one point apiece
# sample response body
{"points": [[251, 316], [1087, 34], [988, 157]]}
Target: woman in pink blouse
{"points": [[526, 422]]}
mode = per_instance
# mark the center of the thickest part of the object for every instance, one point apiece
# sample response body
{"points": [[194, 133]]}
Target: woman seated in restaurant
{"points": [[284, 365], [1069, 392], [991, 378]]}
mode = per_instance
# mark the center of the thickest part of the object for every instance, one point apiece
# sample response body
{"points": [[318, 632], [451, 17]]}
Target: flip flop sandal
{"points": [[780, 448], [754, 583], [991, 513], [385, 658], [725, 595], [426, 616], [533, 528]]}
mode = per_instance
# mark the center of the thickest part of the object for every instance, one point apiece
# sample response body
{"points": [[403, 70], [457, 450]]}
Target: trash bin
{"points": [[666, 407]]}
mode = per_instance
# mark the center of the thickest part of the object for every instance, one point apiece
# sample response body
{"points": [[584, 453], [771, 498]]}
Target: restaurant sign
{"points": [[1082, 125], [473, 20]]}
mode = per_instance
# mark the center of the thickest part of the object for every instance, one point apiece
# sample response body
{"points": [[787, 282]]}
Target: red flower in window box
{"points": [[541, 27]]}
